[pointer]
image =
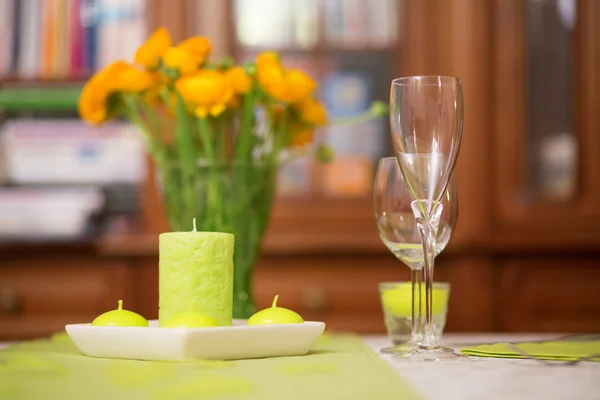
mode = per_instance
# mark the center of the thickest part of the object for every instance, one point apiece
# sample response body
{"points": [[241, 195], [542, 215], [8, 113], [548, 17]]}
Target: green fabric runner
{"points": [[553, 350], [338, 367]]}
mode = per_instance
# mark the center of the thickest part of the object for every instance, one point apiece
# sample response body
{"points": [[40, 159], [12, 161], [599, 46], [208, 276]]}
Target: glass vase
{"points": [[223, 197]]}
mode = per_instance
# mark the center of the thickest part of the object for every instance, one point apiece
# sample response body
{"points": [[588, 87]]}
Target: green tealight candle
{"points": [[196, 267]]}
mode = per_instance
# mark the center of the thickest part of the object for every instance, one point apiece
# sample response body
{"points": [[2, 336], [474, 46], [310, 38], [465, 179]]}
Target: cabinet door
{"points": [[549, 295], [38, 297], [545, 97]]}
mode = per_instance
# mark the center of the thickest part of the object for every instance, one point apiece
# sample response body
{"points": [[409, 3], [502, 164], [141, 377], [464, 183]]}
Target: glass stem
{"points": [[429, 341], [420, 304], [416, 306], [428, 232]]}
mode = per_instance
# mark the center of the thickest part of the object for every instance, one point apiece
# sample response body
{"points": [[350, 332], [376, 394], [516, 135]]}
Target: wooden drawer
{"points": [[342, 291], [549, 295], [40, 297]]}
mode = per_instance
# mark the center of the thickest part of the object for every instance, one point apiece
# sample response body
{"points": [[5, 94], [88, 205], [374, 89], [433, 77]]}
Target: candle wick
{"points": [[275, 301], [194, 224], [120, 304]]}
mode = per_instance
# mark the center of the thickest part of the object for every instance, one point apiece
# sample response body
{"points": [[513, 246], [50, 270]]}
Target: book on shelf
{"points": [[65, 38], [75, 181], [361, 24], [67, 152], [47, 213], [298, 24]]}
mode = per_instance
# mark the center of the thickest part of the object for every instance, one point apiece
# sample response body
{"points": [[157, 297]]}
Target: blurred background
{"points": [[79, 211]]}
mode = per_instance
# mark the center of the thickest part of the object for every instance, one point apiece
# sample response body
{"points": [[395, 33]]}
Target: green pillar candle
{"points": [[196, 267]]}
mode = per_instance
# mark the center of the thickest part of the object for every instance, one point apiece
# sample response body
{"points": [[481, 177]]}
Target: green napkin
{"points": [[339, 366], [552, 350]]}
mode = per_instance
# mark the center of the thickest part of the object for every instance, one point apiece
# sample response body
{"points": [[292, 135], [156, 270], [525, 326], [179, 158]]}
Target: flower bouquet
{"points": [[217, 133]]}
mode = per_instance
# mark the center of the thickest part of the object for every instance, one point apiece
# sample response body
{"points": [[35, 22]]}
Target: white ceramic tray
{"points": [[183, 344]]}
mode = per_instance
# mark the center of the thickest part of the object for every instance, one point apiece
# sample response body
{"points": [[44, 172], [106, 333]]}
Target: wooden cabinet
{"points": [[549, 295], [545, 93], [340, 290], [38, 297], [521, 258]]}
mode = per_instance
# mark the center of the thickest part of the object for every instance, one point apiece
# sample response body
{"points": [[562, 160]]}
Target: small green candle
{"points": [[196, 267]]}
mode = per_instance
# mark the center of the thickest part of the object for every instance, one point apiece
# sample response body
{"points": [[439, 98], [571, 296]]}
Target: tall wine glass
{"points": [[399, 232], [426, 120]]}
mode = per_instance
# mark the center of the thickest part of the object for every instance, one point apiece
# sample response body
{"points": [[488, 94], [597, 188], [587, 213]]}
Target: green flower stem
{"points": [[214, 192], [220, 139], [154, 123], [185, 148], [131, 112], [377, 110], [280, 139], [204, 131], [243, 151]]}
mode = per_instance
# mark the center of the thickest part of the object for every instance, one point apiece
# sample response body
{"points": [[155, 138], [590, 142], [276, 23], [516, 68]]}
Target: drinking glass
{"points": [[426, 121], [399, 231]]}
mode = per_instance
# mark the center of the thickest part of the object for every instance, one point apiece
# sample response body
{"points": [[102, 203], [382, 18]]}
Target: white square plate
{"points": [[180, 344]]}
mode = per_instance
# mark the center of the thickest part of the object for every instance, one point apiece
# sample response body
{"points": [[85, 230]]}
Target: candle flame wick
{"points": [[275, 301], [120, 304], [194, 225]]}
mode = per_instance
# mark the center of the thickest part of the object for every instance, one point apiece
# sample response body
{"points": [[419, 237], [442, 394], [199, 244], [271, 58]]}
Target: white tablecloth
{"points": [[493, 378]]}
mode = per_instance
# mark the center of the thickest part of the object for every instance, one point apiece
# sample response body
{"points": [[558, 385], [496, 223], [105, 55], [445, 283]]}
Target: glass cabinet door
{"points": [[551, 140], [353, 49], [545, 127]]}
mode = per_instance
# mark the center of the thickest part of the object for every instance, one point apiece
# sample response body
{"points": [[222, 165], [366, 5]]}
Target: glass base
{"points": [[421, 354], [400, 349]]}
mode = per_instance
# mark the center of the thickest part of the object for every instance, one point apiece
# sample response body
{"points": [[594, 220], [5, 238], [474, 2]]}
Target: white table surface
{"points": [[493, 378]]}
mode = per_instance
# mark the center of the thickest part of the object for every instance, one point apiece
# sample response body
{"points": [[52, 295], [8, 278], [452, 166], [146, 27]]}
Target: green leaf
{"points": [[379, 109], [325, 154]]}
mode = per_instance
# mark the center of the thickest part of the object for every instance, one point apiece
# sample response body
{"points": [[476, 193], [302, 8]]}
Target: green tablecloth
{"points": [[338, 367]]}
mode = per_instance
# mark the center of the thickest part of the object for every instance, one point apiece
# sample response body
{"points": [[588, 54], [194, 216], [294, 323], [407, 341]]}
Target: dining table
{"points": [[490, 378], [487, 378]]}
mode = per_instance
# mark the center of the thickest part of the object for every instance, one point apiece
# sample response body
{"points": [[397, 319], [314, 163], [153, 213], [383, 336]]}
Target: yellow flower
{"points": [[153, 49], [267, 57], [300, 135], [206, 92], [289, 85], [312, 112], [299, 85], [93, 104], [132, 80], [181, 60], [198, 46], [270, 74], [238, 79]]}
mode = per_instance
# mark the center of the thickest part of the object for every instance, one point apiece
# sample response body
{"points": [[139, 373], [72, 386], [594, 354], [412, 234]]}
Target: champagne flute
{"points": [[399, 232], [426, 120]]}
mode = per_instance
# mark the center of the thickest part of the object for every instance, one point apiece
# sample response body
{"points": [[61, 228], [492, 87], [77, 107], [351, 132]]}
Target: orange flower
{"points": [[206, 92], [268, 57], [132, 80], [238, 79], [312, 112], [153, 49], [299, 85], [181, 60], [93, 105], [198, 46], [289, 85]]}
